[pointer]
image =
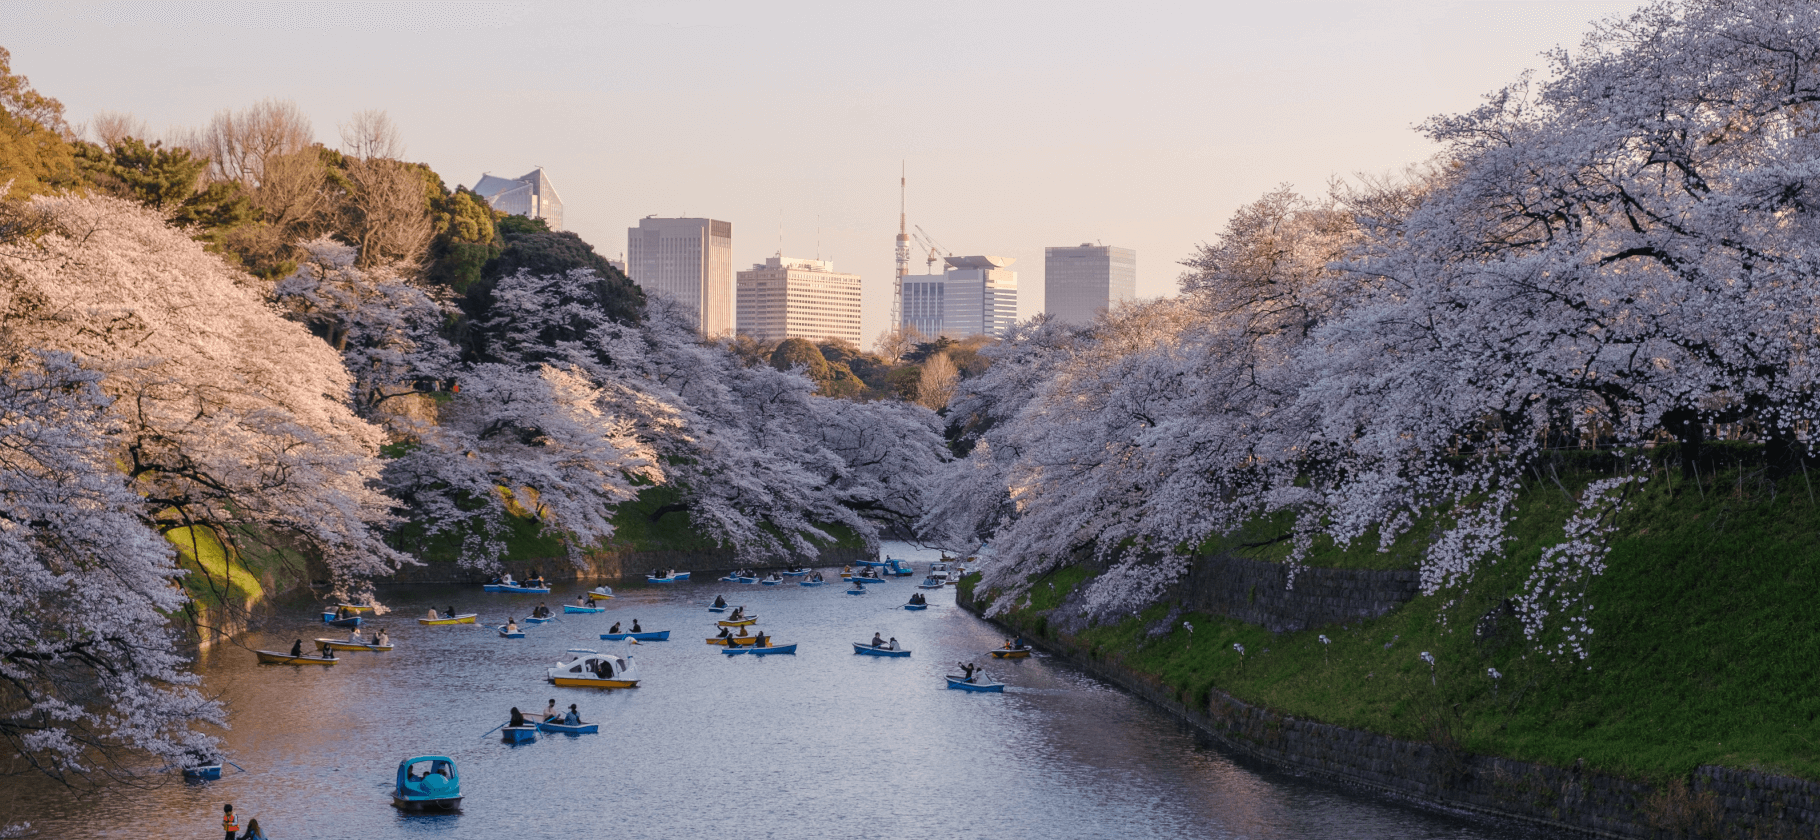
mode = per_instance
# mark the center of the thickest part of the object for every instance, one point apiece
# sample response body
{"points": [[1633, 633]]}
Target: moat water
{"points": [[823, 744]]}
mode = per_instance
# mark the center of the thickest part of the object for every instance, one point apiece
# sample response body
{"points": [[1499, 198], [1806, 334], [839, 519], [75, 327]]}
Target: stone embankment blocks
{"points": [[1256, 592]]}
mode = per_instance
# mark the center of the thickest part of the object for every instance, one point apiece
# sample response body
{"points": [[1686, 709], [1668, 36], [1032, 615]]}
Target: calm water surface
{"points": [[824, 744]]}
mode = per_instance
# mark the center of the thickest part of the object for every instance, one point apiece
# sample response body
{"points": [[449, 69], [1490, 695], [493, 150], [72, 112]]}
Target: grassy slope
{"points": [[1703, 651]]}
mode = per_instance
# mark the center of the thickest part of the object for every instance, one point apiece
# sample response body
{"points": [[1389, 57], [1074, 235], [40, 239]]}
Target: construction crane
{"points": [[929, 244]]}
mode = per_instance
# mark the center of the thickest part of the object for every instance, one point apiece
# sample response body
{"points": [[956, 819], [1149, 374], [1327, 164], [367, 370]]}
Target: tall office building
{"points": [[786, 297], [1079, 283], [530, 195], [976, 295], [690, 260]]}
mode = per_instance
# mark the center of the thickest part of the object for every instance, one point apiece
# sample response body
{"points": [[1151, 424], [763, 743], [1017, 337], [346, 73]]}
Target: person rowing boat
{"points": [[720, 601], [968, 668], [877, 640]]}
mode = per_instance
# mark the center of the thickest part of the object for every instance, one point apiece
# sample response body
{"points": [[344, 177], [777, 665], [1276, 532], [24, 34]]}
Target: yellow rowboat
{"points": [[465, 618], [592, 682], [735, 641], [739, 622], [355, 607], [1012, 653], [333, 644], [271, 657]]}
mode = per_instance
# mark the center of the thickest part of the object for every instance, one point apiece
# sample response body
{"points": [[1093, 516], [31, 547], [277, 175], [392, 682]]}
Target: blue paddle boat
{"points": [[810, 582], [203, 772], [898, 568], [962, 684], [330, 619], [916, 606], [569, 728], [646, 636], [760, 651], [571, 608], [857, 590], [720, 609], [673, 577], [771, 581], [519, 734], [868, 650], [427, 783], [931, 582], [513, 634]]}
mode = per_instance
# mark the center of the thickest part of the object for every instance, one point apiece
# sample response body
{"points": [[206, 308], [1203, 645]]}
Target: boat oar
{"points": [[237, 767], [494, 729]]}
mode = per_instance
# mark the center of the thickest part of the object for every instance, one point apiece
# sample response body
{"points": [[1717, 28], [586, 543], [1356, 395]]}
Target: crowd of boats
{"points": [[432, 782]]}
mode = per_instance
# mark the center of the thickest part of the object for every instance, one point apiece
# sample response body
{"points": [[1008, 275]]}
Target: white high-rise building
{"points": [[787, 297], [690, 260], [530, 195], [976, 295], [1079, 283]]}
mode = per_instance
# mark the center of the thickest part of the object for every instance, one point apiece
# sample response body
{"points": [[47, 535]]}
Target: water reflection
{"points": [[823, 744]]}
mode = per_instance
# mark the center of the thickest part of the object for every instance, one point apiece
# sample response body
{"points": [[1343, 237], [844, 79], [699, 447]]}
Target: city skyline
{"points": [[1086, 144]]}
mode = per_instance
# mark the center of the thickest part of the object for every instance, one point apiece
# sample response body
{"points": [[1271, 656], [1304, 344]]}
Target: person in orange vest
{"points": [[229, 822]]}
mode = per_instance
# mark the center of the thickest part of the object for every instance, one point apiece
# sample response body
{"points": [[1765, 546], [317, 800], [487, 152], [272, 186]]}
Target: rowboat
{"points": [[771, 581], [796, 572], [916, 606], [645, 636], [203, 771], [738, 622], [962, 684], [355, 607], [531, 619], [330, 619], [762, 651], [864, 579], [810, 582], [571, 608], [342, 644], [511, 634], [1012, 653], [602, 591], [720, 609], [931, 583], [272, 657], [734, 641], [427, 783], [868, 650], [512, 588], [464, 618], [739, 579], [570, 728], [519, 734], [857, 590], [667, 579], [595, 670]]}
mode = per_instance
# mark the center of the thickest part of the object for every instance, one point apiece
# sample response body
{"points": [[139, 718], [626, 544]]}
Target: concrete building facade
{"points": [[530, 195], [1079, 283], [976, 295], [788, 297], [689, 260]]}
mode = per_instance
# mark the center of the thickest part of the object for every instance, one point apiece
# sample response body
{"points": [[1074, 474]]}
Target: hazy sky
{"points": [[1023, 124]]}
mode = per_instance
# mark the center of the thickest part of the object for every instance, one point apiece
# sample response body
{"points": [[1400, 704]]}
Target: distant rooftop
{"points": [[981, 261]]}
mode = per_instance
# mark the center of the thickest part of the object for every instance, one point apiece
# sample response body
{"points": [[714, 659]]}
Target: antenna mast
{"points": [[903, 251]]}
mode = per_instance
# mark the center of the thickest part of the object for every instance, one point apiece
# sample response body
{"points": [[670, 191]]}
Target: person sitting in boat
{"points": [[877, 640], [354, 637], [720, 601], [967, 668], [518, 718], [451, 612], [724, 633], [433, 615], [657, 573], [573, 718], [760, 642], [543, 610], [1019, 641], [1007, 644], [328, 653], [635, 627], [892, 645], [506, 580], [297, 648], [816, 577], [738, 613], [511, 625], [581, 601], [614, 628], [590, 600], [549, 712], [742, 631], [382, 639]]}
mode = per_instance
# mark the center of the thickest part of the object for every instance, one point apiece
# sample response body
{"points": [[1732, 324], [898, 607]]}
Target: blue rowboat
{"points": [[203, 772], [962, 684], [869, 650], [796, 572], [679, 576], [758, 651], [570, 729], [810, 582], [857, 591], [519, 734], [330, 619], [916, 606], [514, 588], [930, 583], [536, 620], [646, 636], [858, 579], [722, 609], [769, 582], [571, 608], [515, 634]]}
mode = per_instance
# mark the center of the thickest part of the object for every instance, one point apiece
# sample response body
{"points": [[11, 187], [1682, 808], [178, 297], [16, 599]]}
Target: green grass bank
{"points": [[1706, 626]]}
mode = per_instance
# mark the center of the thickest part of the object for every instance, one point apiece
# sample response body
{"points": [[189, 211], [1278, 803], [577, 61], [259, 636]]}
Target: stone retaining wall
{"points": [[1716, 802], [1256, 592]]}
